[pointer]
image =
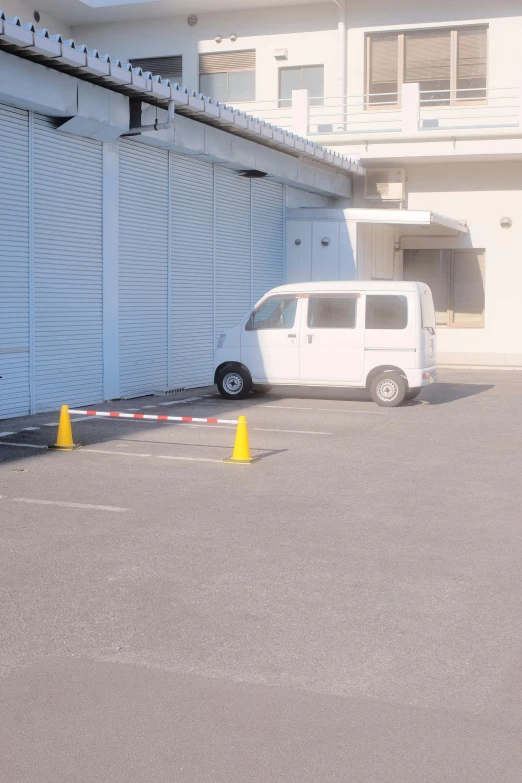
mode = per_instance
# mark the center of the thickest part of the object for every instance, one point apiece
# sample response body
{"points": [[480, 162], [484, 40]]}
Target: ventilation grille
{"points": [[166, 67], [218, 62]]}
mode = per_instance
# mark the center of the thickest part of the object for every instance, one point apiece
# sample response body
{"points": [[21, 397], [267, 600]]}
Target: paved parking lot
{"points": [[346, 609]]}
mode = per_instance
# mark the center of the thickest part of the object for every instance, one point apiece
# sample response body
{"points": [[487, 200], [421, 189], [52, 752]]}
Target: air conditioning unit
{"points": [[385, 185]]}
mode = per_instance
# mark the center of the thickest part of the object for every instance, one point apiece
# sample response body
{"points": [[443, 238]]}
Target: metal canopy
{"points": [[419, 222]]}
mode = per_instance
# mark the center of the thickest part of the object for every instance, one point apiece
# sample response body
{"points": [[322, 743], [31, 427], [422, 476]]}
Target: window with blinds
{"points": [[456, 279], [450, 65], [228, 76], [166, 67]]}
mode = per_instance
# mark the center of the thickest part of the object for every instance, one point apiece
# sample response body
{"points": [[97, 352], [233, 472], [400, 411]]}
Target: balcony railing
{"points": [[407, 112]]}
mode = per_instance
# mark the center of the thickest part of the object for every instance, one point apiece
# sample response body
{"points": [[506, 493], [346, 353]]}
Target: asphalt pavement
{"points": [[346, 609]]}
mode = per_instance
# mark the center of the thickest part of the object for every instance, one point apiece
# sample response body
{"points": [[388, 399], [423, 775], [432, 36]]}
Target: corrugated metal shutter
{"points": [[14, 262], [233, 267], [67, 268], [144, 207], [217, 62], [166, 67], [267, 236], [192, 318]]}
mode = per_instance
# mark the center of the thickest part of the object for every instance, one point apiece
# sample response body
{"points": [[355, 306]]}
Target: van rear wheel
{"points": [[234, 383], [389, 389]]}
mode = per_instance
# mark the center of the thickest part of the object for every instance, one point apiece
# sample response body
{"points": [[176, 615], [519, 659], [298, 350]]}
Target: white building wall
{"points": [[309, 33], [481, 195]]}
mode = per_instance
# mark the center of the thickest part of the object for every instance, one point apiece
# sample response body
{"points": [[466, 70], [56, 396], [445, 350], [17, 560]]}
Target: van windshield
{"points": [[275, 313]]}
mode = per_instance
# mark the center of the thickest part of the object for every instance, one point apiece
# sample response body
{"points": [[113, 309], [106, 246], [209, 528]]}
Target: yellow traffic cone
{"points": [[241, 453], [64, 441]]}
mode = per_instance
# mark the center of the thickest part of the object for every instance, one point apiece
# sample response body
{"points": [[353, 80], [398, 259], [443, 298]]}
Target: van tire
{"points": [[413, 392], [389, 389], [234, 382]]}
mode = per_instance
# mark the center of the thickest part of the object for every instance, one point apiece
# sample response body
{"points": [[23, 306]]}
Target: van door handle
{"points": [[291, 335], [309, 337]]}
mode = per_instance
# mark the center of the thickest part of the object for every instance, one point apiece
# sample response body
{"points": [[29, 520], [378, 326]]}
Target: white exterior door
{"points": [[332, 339], [269, 341]]}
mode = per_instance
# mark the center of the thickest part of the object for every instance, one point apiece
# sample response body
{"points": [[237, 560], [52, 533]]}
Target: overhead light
{"points": [[233, 37], [218, 39], [506, 222], [192, 20]]}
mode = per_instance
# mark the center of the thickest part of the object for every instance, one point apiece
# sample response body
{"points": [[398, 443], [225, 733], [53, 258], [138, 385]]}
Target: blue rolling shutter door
{"points": [[144, 190], [67, 268], [14, 262], [233, 248], [267, 236], [192, 234]]}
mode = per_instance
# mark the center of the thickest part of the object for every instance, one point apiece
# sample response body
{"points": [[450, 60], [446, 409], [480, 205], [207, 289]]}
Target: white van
{"points": [[374, 335]]}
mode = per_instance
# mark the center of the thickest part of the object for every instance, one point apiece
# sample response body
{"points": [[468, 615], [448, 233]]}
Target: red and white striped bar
{"points": [[150, 417]]}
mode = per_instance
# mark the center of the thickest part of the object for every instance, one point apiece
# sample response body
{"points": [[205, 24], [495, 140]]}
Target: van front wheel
{"points": [[234, 383], [388, 389]]}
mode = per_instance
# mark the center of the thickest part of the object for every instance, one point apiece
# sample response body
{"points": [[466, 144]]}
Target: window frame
{"points": [[235, 70], [285, 103], [337, 295], [249, 325], [450, 310], [453, 100]]}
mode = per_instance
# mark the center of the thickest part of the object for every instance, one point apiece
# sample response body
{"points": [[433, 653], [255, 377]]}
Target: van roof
{"points": [[346, 285]]}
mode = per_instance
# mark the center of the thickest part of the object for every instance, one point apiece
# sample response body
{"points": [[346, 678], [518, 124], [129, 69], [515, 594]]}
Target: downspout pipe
{"points": [[342, 62]]}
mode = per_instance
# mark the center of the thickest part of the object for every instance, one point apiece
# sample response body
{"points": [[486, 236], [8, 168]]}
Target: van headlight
{"points": [[221, 340]]}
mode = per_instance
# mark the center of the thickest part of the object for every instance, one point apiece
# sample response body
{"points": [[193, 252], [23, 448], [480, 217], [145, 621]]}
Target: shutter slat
{"points": [[14, 262], [432, 268], [468, 287], [166, 67], [384, 59], [427, 55], [218, 62], [472, 53]]}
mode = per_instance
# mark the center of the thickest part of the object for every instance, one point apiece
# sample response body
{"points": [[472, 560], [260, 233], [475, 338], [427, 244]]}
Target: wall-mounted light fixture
{"points": [[192, 20], [325, 241], [218, 39], [297, 241], [506, 222], [281, 54], [233, 37]]}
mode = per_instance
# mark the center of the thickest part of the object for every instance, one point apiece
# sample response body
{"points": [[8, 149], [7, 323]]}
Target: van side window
{"points": [[275, 313], [386, 312], [332, 312]]}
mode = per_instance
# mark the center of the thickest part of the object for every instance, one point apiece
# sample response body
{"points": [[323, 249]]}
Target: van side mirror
{"points": [[430, 330]]}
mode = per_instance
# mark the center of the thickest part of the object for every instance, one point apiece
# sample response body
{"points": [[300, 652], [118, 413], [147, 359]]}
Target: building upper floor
{"points": [[382, 80]]}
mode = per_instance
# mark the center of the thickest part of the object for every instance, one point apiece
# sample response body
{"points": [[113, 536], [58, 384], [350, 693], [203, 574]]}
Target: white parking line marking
{"points": [[118, 453], [180, 402], [50, 424], [328, 410], [30, 429], [6, 434], [192, 459], [146, 407], [68, 505], [22, 445], [133, 410], [298, 432]]}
